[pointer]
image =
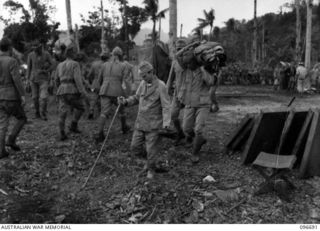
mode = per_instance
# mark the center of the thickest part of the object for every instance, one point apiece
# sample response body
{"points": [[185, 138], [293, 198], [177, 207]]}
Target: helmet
{"points": [[180, 43]]}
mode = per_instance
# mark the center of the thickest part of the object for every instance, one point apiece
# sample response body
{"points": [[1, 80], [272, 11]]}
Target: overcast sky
{"points": [[188, 10]]}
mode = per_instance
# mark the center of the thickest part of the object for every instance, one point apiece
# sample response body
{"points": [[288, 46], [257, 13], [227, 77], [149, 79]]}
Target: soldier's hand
{"points": [[23, 100], [122, 100]]}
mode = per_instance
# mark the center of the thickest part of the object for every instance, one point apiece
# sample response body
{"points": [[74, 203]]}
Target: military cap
{"points": [[145, 67], [180, 43], [117, 51]]}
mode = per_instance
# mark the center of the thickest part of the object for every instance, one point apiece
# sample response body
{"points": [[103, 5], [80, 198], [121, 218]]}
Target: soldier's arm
{"points": [[209, 79], [134, 99], [56, 76], [166, 105], [78, 79], [14, 71]]}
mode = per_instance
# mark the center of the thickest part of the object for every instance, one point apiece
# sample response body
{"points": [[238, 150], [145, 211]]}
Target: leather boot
{"points": [[3, 151], [124, 127], [74, 127], [43, 111], [180, 136], [14, 134], [100, 136], [36, 108], [197, 144], [63, 135]]}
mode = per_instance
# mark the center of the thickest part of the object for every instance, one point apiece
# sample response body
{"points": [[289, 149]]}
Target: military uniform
{"points": [[153, 114], [93, 76], [39, 66], [197, 105], [11, 91], [178, 96], [70, 91], [111, 78]]}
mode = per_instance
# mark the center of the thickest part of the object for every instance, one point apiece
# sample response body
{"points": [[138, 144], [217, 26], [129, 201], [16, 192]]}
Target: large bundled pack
{"points": [[208, 54]]}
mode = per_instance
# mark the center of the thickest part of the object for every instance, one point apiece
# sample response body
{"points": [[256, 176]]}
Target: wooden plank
{"points": [[293, 127], [310, 164], [285, 131], [233, 140], [265, 135], [241, 140], [274, 160], [300, 144]]}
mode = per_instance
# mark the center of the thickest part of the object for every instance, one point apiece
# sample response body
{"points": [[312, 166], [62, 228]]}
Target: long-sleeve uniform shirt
{"points": [[111, 77], [154, 105], [197, 87], [11, 87], [39, 66], [68, 78]]}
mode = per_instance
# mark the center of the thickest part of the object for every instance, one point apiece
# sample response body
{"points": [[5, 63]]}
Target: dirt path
{"points": [[43, 181]]}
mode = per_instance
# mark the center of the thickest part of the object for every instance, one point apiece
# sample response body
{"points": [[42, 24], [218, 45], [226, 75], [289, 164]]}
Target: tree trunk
{"points": [[154, 32], [308, 35], [298, 32], [159, 28], [125, 22], [255, 36], [69, 20], [173, 22], [104, 45]]}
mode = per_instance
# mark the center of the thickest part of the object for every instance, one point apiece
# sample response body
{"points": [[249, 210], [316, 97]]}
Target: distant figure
{"points": [[12, 98], [111, 79], [301, 74], [40, 65], [70, 92], [93, 76]]}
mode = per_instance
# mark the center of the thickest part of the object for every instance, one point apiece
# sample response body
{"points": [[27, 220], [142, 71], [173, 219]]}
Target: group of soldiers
{"points": [[158, 108]]}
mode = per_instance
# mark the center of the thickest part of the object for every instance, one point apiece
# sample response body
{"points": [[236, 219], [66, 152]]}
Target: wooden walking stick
{"points": [[102, 147]]}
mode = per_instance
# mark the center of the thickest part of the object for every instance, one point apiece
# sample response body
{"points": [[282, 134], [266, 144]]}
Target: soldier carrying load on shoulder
{"points": [[177, 76]]}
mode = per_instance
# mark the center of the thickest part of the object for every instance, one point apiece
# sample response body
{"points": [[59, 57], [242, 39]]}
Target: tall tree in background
{"points": [[151, 7], [160, 15], [173, 22], [69, 19], [255, 35], [308, 35], [208, 20], [104, 45], [298, 32]]}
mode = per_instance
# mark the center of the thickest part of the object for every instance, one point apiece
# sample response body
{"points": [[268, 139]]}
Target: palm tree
{"points": [[207, 21], [69, 20], [173, 18], [308, 35], [151, 7], [160, 15]]}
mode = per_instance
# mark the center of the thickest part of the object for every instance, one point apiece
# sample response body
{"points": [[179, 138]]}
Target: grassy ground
{"points": [[43, 182]]}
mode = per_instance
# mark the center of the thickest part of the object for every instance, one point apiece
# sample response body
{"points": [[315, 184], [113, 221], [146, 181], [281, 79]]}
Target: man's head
{"points": [[180, 43], [104, 56], [146, 71], [5, 45], [70, 52], [117, 52]]}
